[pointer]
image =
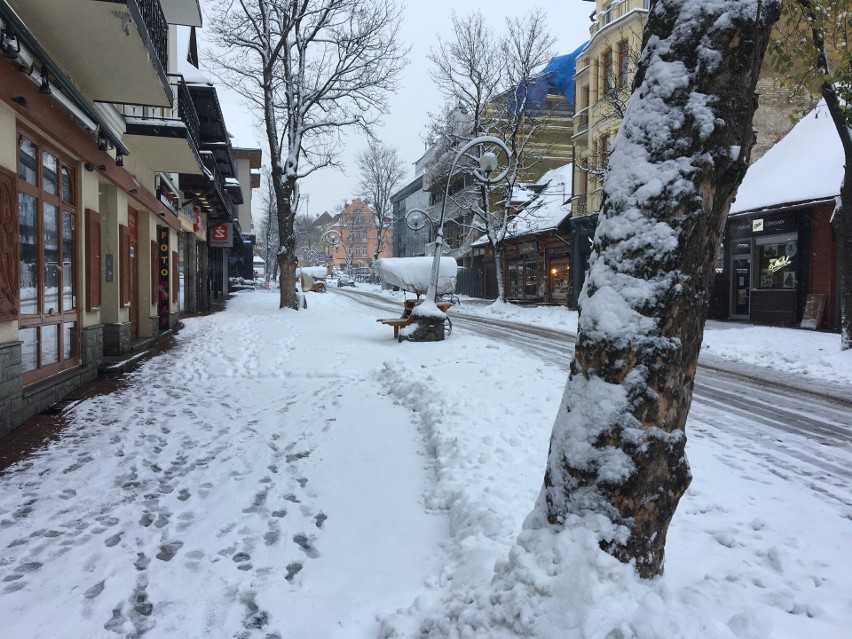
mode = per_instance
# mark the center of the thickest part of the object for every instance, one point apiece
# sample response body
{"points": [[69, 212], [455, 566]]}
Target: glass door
{"points": [[740, 286]]}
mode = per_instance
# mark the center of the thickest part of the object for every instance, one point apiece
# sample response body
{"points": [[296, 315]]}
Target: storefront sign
{"points": [[766, 224], [163, 277], [222, 235], [776, 264]]}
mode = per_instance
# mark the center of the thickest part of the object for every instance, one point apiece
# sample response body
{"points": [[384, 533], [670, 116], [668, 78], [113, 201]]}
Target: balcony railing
{"points": [[615, 11], [183, 109], [158, 29], [217, 181]]}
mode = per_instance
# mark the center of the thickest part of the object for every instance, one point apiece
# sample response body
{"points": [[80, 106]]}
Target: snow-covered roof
{"points": [[190, 74], [548, 210], [805, 165], [414, 273]]}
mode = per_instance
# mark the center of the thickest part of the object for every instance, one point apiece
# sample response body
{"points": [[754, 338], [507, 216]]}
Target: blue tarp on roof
{"points": [[557, 76], [560, 72]]}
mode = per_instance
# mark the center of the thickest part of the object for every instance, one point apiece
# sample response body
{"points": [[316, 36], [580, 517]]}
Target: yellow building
{"points": [[602, 85]]}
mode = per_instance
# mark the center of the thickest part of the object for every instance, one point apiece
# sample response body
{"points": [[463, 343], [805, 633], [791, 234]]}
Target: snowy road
{"points": [[794, 432]]}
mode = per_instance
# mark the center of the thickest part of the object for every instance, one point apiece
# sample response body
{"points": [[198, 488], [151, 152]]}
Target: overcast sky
{"points": [[405, 124]]}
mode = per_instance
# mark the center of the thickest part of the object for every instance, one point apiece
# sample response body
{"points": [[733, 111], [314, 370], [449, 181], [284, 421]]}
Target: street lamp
{"points": [[488, 163], [334, 240], [310, 254]]}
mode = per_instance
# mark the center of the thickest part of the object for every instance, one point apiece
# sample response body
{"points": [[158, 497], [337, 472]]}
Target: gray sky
{"points": [[405, 124]]}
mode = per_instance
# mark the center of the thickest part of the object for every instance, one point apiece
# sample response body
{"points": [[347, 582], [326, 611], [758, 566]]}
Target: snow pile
{"points": [[413, 274]]}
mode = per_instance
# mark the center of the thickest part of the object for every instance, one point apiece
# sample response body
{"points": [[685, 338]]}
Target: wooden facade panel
{"points": [[823, 278], [124, 265], [9, 249], [93, 260]]}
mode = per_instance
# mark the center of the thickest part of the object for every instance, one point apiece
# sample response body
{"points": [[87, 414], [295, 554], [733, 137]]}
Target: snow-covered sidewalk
{"points": [[301, 475]]}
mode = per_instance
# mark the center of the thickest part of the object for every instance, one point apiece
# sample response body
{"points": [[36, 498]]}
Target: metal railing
{"points": [[158, 29], [183, 109], [218, 182]]}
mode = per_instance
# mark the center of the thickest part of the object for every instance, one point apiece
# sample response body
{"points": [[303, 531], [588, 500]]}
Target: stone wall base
{"points": [[117, 338], [18, 404]]}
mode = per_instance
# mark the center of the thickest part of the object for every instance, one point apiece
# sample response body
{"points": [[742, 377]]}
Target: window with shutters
{"points": [[48, 322]]}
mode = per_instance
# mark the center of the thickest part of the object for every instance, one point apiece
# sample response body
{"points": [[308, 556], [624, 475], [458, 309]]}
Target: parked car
{"points": [[344, 280]]}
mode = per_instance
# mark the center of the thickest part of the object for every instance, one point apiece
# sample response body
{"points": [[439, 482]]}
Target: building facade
{"points": [[104, 184], [355, 228]]}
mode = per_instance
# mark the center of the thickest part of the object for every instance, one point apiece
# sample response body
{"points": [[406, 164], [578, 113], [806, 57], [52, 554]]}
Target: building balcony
{"points": [[615, 12], [113, 50], [168, 138], [208, 190]]}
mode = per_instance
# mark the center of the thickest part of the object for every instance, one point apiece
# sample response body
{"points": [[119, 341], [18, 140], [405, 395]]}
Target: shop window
{"points": [[47, 234], [777, 262]]}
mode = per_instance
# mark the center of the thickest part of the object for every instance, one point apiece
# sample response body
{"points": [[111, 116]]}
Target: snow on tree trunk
{"points": [[617, 447]]}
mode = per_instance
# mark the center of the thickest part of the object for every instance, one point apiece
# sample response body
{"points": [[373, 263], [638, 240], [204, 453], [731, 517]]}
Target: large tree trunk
{"points": [[617, 448], [284, 188]]}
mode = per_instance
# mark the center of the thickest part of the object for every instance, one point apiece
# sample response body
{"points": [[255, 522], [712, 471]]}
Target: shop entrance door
{"points": [[740, 286]]}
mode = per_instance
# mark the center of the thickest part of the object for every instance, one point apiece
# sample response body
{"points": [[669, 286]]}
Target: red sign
{"points": [[221, 235]]}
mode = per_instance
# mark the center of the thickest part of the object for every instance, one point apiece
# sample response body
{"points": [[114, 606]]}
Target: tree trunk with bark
{"points": [[617, 461], [284, 189]]}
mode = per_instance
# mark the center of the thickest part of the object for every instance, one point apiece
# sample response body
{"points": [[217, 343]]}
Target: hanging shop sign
{"points": [[221, 235], [163, 278]]}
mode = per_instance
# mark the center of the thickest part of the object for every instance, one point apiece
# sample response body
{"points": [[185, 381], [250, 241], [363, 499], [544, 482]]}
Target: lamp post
{"points": [[310, 254], [488, 163], [334, 240]]}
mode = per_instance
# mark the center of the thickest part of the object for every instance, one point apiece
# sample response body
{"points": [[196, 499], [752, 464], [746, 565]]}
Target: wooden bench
{"points": [[407, 318]]}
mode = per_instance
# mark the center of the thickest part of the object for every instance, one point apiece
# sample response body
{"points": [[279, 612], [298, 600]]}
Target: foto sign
{"points": [[163, 278], [221, 235]]}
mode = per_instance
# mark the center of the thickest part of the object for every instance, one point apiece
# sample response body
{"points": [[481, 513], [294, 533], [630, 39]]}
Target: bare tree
{"points": [[466, 67], [814, 42], [497, 103], [314, 68], [518, 120], [381, 172], [617, 448]]}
